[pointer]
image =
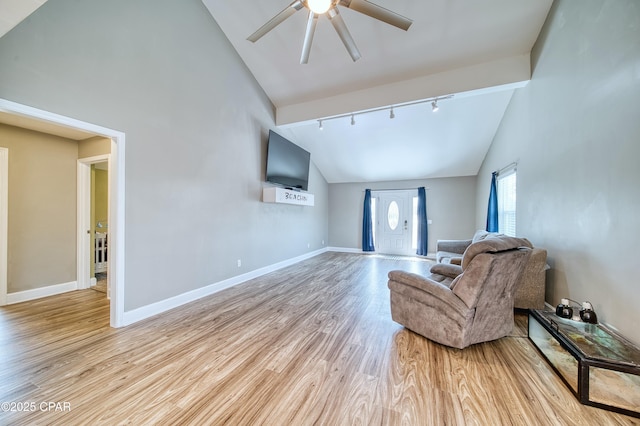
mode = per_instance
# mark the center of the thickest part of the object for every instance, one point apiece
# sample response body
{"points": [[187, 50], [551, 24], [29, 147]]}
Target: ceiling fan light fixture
{"points": [[319, 7], [329, 8]]}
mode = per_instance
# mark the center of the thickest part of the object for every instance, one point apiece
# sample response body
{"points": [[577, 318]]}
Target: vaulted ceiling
{"points": [[479, 52]]}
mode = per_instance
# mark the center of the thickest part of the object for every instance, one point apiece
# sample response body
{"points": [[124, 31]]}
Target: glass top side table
{"points": [[600, 367]]}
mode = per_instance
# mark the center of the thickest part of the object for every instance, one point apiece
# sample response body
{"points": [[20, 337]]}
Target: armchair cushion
{"points": [[481, 234], [456, 260], [446, 269], [493, 244]]}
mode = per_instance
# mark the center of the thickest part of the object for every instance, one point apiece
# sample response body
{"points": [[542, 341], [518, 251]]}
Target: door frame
{"points": [[83, 244], [4, 222], [116, 196]]}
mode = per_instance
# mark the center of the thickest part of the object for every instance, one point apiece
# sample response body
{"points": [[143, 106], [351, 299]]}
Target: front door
{"points": [[394, 222]]}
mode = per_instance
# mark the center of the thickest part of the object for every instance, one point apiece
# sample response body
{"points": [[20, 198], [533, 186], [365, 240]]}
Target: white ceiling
{"points": [[12, 12], [43, 126], [416, 144], [478, 51]]}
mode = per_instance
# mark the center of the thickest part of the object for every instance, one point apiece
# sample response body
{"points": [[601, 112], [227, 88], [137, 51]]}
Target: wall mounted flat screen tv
{"points": [[287, 163]]}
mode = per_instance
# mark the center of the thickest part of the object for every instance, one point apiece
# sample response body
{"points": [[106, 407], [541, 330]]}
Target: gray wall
{"points": [[451, 205], [195, 121], [575, 132]]}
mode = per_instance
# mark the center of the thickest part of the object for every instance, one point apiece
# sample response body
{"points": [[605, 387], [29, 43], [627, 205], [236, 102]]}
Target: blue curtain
{"points": [[367, 223], [492, 211], [423, 232]]}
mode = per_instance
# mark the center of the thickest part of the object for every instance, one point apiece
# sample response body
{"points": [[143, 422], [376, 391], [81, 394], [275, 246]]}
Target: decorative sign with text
{"points": [[287, 196]]}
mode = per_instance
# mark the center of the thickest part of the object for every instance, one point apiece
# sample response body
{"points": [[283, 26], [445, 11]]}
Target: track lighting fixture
{"points": [[391, 108]]}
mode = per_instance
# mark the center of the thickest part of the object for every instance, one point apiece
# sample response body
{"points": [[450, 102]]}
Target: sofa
{"points": [[476, 306], [531, 287]]}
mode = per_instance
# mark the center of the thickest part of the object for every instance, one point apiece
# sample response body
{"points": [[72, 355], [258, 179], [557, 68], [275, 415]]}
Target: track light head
{"points": [[353, 120], [320, 124], [391, 114], [434, 106]]}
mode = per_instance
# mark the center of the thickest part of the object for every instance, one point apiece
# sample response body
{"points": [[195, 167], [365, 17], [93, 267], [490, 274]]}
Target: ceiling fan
{"points": [[329, 8]]}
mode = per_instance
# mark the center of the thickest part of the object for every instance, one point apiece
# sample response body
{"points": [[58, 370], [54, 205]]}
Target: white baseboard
{"points": [[38, 293], [148, 311], [429, 256], [348, 250]]}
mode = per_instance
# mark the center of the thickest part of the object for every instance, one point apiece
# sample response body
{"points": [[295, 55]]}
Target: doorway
{"points": [[44, 119], [100, 220], [93, 223], [396, 222]]}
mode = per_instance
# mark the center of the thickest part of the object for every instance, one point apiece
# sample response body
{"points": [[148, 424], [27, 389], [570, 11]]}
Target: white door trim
{"points": [[4, 222], [83, 244], [116, 195]]}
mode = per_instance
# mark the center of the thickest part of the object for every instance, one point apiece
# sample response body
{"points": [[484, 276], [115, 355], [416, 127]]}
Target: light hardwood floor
{"points": [[313, 343]]}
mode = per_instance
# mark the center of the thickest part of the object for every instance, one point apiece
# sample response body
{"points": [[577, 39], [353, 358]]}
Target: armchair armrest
{"points": [[453, 246], [425, 290], [447, 269]]}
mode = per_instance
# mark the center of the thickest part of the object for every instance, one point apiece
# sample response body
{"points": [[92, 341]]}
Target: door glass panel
{"points": [[374, 219], [393, 215], [414, 225]]}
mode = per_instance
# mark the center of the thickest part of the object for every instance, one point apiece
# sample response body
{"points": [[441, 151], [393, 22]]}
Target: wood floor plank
{"points": [[312, 343]]}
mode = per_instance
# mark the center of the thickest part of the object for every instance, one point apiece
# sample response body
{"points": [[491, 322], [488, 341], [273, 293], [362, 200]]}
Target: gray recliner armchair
{"points": [[475, 306], [530, 290]]}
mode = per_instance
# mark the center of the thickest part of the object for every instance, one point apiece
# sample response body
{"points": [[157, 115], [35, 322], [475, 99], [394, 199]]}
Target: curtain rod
{"points": [[507, 167], [398, 189]]}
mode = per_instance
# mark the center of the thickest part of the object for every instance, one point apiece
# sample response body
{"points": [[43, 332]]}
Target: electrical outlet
{"points": [[239, 263], [308, 245], [322, 242]]}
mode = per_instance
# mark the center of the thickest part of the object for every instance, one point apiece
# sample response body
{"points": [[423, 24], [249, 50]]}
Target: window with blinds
{"points": [[507, 202]]}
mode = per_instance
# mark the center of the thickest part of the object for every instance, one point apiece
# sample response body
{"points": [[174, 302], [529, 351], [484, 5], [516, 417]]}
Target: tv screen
{"points": [[287, 163]]}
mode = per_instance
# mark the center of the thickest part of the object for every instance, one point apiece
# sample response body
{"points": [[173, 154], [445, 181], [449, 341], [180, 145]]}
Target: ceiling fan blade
{"points": [[276, 20], [378, 12], [343, 32], [308, 37]]}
